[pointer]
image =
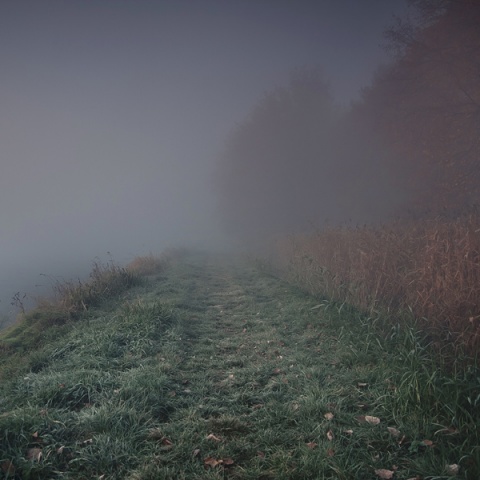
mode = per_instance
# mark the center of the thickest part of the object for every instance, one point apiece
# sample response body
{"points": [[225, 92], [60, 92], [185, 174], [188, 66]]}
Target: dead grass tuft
{"points": [[431, 268], [148, 264], [152, 264]]}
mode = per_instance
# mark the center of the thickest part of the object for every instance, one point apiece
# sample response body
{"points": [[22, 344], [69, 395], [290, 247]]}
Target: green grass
{"points": [[213, 370]]}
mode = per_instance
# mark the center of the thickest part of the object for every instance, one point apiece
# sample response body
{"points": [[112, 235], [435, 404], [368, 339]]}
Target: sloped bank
{"points": [[213, 370]]}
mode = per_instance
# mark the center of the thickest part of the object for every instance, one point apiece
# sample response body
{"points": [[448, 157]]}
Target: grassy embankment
{"points": [[210, 369]]}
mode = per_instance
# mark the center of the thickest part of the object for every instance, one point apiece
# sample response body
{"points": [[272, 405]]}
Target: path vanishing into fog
{"points": [[212, 370]]}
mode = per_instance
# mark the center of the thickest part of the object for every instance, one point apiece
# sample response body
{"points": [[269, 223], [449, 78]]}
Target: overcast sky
{"points": [[113, 112]]}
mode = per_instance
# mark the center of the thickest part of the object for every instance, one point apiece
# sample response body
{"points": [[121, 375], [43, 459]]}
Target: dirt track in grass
{"points": [[213, 370]]}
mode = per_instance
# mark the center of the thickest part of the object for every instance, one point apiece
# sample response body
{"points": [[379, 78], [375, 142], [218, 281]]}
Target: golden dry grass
{"points": [[431, 267], [152, 264], [148, 264]]}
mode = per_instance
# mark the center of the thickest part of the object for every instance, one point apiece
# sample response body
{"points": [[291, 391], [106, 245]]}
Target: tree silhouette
{"points": [[268, 177], [427, 102]]}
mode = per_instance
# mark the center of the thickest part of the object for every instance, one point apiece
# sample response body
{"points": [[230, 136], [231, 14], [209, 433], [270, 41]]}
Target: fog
{"points": [[113, 114]]}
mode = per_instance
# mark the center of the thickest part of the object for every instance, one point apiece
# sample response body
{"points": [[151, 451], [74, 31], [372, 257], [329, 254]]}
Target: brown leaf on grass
{"points": [[165, 441], [372, 420], [330, 435], [393, 431], [452, 469], [362, 385], [214, 438], [312, 445], [35, 435], [8, 468], [260, 454], [383, 473], [257, 406], [330, 452], [211, 462], [214, 462], [34, 454], [427, 443], [60, 450], [348, 432], [447, 431], [196, 452], [277, 371], [329, 416]]}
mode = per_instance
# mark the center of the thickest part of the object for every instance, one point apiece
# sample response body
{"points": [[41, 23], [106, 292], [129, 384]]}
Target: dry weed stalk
{"points": [[431, 267]]}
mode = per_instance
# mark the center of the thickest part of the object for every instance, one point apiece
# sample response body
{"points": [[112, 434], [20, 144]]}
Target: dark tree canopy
{"points": [[298, 161], [269, 166], [427, 102]]}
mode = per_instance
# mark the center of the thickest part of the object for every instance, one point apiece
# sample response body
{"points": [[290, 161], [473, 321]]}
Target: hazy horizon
{"points": [[114, 113]]}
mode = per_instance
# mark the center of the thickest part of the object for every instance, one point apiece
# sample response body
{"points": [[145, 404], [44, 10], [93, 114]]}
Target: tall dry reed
{"points": [[430, 267]]}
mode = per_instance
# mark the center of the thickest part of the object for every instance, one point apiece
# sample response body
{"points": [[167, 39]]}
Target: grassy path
{"points": [[216, 371]]}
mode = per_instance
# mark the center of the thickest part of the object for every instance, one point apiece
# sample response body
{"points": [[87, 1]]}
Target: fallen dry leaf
{"points": [[452, 469], [260, 454], [34, 454], [427, 443], [211, 462], [328, 416], [214, 438], [60, 449], [330, 435], [166, 441], [196, 452], [362, 385], [383, 473], [393, 431], [312, 445], [330, 452], [348, 432], [372, 420]]}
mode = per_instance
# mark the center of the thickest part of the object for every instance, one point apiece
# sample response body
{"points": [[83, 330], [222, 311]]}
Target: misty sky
{"points": [[113, 113]]}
